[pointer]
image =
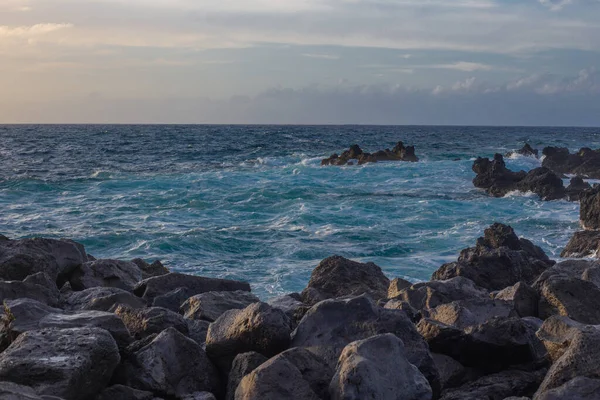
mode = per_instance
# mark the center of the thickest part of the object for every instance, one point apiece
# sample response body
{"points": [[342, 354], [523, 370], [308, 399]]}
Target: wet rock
{"points": [[465, 313], [523, 298], [378, 368], [258, 327], [451, 371], [171, 365], [586, 162], [498, 386], [10, 290], [400, 152], [576, 186], [331, 325], [101, 299], [144, 322], [106, 273], [579, 360], [21, 258], [526, 150], [589, 210], [274, 380], [121, 392], [337, 277], [243, 364], [151, 288], [150, 270], [396, 286], [583, 244], [500, 259], [210, 306], [70, 363], [579, 388]]}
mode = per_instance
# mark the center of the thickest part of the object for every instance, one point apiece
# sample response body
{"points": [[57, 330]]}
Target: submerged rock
{"points": [[337, 276], [398, 153]]}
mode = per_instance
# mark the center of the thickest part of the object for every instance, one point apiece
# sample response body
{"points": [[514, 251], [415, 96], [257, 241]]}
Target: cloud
{"points": [[555, 5], [464, 66], [321, 56], [32, 30]]}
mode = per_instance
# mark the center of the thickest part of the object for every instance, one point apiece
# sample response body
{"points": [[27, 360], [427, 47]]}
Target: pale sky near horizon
{"points": [[510, 62]]}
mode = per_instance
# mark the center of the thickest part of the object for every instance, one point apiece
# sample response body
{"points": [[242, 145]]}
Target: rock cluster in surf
{"points": [[503, 320], [356, 155]]}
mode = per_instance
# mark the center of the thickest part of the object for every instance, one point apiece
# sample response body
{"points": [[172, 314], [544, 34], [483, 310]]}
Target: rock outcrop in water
{"points": [[586, 243], [502, 322], [356, 154], [497, 180], [526, 150], [586, 162]]}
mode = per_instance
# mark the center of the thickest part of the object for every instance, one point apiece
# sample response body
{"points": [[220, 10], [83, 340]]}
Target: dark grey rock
{"points": [[12, 391], [147, 321], [42, 279], [291, 305], [197, 330], [121, 392], [243, 364], [465, 313], [211, 305], [74, 364], [579, 388], [150, 270], [396, 285], [557, 332], [451, 371], [589, 210], [583, 244], [172, 300], [11, 290], [314, 370], [498, 386], [101, 299], [106, 273], [523, 297], [337, 277]]}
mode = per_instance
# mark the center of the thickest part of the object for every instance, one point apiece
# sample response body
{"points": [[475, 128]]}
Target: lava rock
{"points": [[501, 385], [583, 244], [210, 306], [314, 370], [378, 368], [451, 371], [579, 388], [11, 290], [42, 279], [557, 333], [396, 286], [197, 330], [150, 270], [101, 299], [400, 152], [291, 305], [523, 298], [589, 210], [106, 273], [576, 187], [526, 150], [465, 313], [121, 392], [586, 162], [144, 322], [243, 364]]}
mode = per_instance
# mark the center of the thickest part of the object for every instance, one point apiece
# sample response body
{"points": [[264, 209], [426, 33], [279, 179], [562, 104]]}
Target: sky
{"points": [[434, 62]]}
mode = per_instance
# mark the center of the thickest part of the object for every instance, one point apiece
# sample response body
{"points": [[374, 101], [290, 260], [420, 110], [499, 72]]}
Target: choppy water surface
{"points": [[253, 202]]}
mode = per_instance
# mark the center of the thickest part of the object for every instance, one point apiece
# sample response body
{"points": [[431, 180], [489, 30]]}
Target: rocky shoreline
{"points": [[502, 322]]}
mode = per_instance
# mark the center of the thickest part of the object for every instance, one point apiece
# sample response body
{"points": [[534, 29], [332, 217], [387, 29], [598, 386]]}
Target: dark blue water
{"points": [[253, 202]]}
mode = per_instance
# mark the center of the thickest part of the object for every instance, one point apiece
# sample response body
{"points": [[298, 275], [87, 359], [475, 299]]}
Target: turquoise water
{"points": [[253, 202]]}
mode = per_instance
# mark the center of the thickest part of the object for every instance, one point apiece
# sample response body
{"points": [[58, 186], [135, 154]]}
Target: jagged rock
{"points": [[171, 365], [378, 368], [101, 299], [151, 288], [331, 325], [583, 244], [451, 371], [500, 259], [197, 330], [586, 162], [568, 296], [30, 315], [576, 186], [579, 388], [337, 277], [498, 386], [579, 360], [243, 364], [491, 346], [74, 364], [20, 258], [589, 209], [274, 380], [396, 286], [172, 300], [106, 273], [42, 279], [398, 153], [523, 297], [10, 290], [314, 370], [526, 150], [497, 180], [557, 332], [291, 305], [464, 313], [428, 295], [258, 327], [150, 270], [412, 313], [147, 321], [121, 392], [210, 306]]}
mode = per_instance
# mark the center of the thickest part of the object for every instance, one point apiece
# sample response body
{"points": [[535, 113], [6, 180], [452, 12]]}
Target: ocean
{"points": [[254, 203]]}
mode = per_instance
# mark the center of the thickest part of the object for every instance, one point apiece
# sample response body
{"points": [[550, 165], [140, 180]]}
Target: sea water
{"points": [[254, 203]]}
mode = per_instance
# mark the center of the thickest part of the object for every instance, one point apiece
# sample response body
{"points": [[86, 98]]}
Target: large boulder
{"points": [[42, 279], [101, 299], [210, 306], [150, 270], [74, 364], [11, 290], [171, 365], [30, 315], [452, 373], [20, 258], [144, 322], [337, 277], [523, 298], [579, 388], [156, 286], [12, 391], [396, 286], [500, 259], [291, 305], [106, 273], [243, 364], [331, 325], [274, 380], [258, 327], [589, 209], [576, 187], [583, 244], [585, 162], [465, 313], [197, 330], [378, 368], [557, 332], [498, 386], [314, 370]]}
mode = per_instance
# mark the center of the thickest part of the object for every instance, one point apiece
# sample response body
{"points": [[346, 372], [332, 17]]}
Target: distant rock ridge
{"points": [[356, 154]]}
